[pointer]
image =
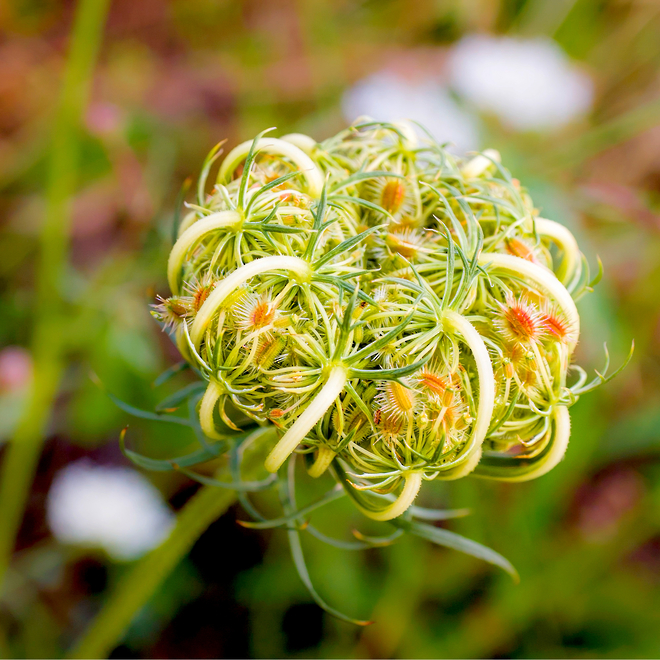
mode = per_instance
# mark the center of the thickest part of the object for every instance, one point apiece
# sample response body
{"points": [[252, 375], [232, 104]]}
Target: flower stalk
{"points": [[308, 419], [140, 583], [412, 482], [190, 236], [486, 378], [324, 458]]}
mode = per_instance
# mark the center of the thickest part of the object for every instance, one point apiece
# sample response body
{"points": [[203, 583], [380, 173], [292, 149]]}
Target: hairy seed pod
{"points": [[384, 304]]}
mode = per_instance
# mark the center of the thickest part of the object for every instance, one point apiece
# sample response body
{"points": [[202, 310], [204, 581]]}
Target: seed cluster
{"points": [[396, 312]]}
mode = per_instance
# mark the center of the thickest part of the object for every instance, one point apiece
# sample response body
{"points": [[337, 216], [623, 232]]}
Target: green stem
{"points": [[140, 583], [486, 402], [23, 452], [188, 238], [412, 482], [324, 457], [308, 419]]}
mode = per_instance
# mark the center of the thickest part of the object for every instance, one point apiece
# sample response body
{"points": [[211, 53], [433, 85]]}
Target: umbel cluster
{"points": [[395, 312]]}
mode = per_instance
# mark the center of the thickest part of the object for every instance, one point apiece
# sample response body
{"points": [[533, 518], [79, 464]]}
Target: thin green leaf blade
{"points": [[455, 541]]}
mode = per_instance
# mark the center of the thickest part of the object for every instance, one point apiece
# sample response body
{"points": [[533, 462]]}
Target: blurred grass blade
{"points": [[49, 333], [139, 584], [437, 514]]}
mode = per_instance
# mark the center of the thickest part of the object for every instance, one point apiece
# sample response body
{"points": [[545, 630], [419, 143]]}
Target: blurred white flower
{"points": [[114, 508], [529, 83], [386, 96]]}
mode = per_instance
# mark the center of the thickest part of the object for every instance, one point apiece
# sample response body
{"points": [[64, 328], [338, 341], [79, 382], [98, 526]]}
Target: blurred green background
{"points": [[171, 80]]}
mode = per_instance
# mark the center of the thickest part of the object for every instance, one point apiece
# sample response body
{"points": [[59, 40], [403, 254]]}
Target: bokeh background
{"points": [[567, 90]]}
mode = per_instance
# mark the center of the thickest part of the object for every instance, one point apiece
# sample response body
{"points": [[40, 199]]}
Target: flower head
{"points": [[520, 248], [198, 290], [519, 321], [255, 313], [557, 326], [443, 320], [390, 427], [171, 311], [397, 399]]}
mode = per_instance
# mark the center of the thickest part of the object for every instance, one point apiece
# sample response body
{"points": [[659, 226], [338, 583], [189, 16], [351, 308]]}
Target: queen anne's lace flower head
{"points": [[395, 312]]}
